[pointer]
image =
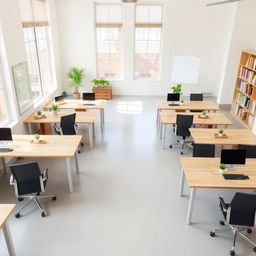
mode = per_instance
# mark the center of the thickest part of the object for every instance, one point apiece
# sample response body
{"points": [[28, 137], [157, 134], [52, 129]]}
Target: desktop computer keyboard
{"points": [[6, 149], [89, 104], [174, 104]]}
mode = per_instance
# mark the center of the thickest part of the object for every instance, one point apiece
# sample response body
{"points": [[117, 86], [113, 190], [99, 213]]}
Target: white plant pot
{"points": [[37, 141], [220, 134], [221, 171], [55, 112]]}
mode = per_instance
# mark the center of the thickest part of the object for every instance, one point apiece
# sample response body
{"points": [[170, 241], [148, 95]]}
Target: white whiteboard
{"points": [[185, 69]]}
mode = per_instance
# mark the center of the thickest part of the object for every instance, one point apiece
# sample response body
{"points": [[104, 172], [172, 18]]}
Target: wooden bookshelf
{"points": [[244, 97]]}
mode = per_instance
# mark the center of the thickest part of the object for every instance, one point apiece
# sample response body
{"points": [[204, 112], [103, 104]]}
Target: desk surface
{"points": [[56, 146], [81, 117], [234, 136], [78, 104], [214, 118], [204, 173], [188, 105], [5, 212]]}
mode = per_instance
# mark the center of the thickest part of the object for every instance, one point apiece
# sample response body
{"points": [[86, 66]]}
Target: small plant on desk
{"points": [[39, 112], [220, 132], [54, 109], [222, 168], [204, 113], [182, 101], [177, 89], [37, 137]]}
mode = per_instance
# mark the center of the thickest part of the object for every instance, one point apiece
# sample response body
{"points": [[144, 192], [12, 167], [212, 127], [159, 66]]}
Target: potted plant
{"points": [[222, 168], [182, 101], [220, 132], [39, 113], [37, 137], [177, 88], [101, 82], [204, 113], [75, 76], [54, 109]]}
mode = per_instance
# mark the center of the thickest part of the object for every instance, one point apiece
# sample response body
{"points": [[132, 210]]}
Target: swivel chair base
{"points": [[237, 231], [34, 198], [183, 142]]}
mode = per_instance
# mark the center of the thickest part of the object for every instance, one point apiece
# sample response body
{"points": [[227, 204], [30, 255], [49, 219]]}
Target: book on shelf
{"points": [[243, 100], [252, 107], [250, 120], [239, 111], [251, 62], [245, 88], [247, 75]]}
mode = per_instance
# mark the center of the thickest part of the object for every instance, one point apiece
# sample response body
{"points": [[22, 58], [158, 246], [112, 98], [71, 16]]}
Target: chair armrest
{"points": [[11, 180], [223, 205], [57, 129], [45, 175]]}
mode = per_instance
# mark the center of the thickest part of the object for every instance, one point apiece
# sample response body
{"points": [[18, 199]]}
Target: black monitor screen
{"points": [[5, 134], [88, 96], [173, 97], [233, 156], [59, 98]]}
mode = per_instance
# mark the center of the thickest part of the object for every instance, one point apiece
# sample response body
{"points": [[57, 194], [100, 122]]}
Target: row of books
{"points": [[248, 75], [242, 100], [244, 115], [250, 120], [251, 62], [252, 107], [245, 88]]}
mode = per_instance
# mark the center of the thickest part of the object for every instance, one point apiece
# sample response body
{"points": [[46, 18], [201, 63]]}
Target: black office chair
{"points": [[250, 150], [67, 126], [196, 97], [238, 215], [183, 123], [29, 182], [203, 150]]}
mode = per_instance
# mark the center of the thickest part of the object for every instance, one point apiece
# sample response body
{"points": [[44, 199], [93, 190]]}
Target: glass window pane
{"points": [[155, 14], [102, 13], [142, 14], [115, 13]]}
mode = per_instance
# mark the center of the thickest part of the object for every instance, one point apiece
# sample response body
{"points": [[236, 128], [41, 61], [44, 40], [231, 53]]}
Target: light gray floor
{"points": [[125, 200]]}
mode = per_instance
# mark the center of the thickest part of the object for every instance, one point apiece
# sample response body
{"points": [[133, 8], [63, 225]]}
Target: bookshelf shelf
{"points": [[244, 98]]}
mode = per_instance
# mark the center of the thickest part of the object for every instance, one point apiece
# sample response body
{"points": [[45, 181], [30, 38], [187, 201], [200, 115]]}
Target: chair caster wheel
{"points": [[54, 198], [43, 214], [17, 215], [254, 249], [82, 144], [78, 151], [212, 234], [181, 153], [249, 231], [170, 146], [20, 199], [222, 223], [232, 253]]}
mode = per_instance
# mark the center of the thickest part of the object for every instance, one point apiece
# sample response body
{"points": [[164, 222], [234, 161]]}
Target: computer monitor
{"points": [[88, 96], [173, 97], [59, 99], [233, 156], [5, 136]]}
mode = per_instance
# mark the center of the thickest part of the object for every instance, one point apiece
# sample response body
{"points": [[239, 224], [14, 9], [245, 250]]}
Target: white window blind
{"points": [[33, 13]]}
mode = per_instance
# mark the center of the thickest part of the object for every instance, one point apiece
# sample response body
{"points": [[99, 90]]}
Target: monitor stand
{"points": [[231, 167]]}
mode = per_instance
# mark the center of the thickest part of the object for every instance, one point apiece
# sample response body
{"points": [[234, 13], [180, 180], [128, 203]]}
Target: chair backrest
{"points": [[183, 123], [27, 177], [196, 97], [67, 124], [203, 150], [242, 210], [250, 150]]}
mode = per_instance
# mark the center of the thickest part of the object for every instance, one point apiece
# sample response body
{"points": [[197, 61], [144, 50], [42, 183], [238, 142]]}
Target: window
{"points": [[109, 45], [148, 29], [38, 47]]}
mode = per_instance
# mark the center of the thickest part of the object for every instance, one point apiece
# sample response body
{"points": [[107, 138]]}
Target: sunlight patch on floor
{"points": [[129, 107]]}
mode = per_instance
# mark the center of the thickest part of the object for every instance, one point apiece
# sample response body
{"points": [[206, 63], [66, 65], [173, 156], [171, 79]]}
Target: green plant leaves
{"points": [[75, 76]]}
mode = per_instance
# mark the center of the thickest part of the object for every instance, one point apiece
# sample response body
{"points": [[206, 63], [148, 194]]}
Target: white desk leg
{"points": [[91, 135], [76, 162], [30, 128], [93, 127], [70, 182], [4, 165], [103, 116], [8, 240], [101, 119], [182, 178], [191, 205], [161, 131], [164, 132], [157, 117]]}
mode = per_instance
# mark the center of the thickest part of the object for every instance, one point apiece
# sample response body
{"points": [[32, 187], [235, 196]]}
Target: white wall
{"points": [[243, 38], [12, 33], [189, 28]]}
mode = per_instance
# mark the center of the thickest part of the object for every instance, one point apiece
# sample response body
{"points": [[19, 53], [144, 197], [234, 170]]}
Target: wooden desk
{"points": [[235, 136], [214, 119], [45, 123], [78, 105], [204, 173], [56, 146], [187, 105], [5, 212]]}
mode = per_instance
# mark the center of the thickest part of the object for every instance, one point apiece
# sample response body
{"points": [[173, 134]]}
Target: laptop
{"points": [[89, 98]]}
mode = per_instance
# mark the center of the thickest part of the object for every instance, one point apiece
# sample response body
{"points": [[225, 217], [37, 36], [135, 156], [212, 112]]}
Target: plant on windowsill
{"points": [[222, 168], [75, 76], [101, 82], [54, 109]]}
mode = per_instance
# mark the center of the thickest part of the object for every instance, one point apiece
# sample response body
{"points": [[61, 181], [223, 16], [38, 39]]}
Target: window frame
{"points": [[121, 39], [161, 42]]}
